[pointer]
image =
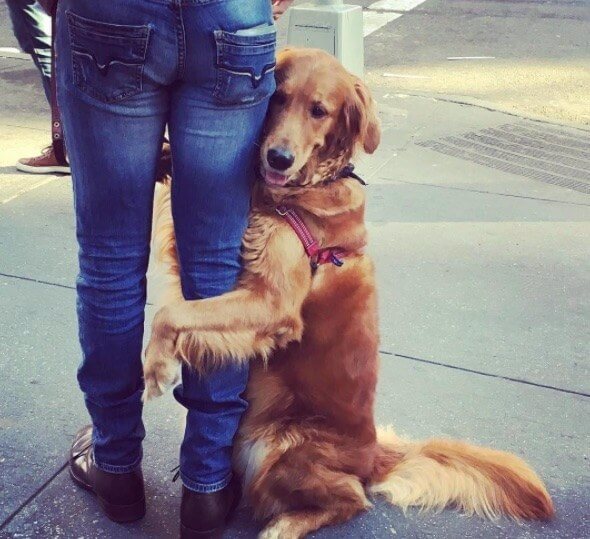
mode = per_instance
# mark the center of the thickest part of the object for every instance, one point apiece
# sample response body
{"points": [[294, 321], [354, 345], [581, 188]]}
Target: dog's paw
{"points": [[279, 528], [161, 369]]}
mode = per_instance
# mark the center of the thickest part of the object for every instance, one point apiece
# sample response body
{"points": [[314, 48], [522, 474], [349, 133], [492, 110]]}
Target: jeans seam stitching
{"points": [[110, 468], [180, 35], [197, 486]]}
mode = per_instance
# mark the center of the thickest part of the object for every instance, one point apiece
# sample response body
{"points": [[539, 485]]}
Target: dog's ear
{"points": [[284, 57], [362, 117]]}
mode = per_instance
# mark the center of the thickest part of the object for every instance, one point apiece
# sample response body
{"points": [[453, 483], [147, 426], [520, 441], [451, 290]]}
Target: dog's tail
{"points": [[438, 473]]}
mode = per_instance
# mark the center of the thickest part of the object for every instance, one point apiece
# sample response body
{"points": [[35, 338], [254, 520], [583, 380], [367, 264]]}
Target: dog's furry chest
{"points": [[326, 381]]}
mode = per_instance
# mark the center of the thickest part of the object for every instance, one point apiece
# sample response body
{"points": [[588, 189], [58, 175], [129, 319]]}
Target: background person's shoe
{"points": [[121, 496], [46, 163], [204, 516]]}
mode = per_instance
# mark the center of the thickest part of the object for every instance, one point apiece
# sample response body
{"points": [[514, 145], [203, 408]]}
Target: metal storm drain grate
{"points": [[545, 154]]}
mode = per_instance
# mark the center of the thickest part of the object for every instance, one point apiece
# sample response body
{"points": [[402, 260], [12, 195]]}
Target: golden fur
{"points": [[308, 450]]}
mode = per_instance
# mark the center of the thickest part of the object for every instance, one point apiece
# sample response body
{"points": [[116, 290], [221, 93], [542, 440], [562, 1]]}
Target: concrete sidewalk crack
{"points": [[487, 374], [38, 491], [48, 283], [39, 281], [28, 189], [492, 193], [468, 102]]}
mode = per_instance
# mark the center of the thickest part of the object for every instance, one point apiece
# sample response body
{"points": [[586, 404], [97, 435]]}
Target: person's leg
{"points": [[32, 29], [216, 119], [114, 122]]}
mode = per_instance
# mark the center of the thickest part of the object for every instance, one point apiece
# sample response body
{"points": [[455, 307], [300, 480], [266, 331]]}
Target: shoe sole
{"points": [[43, 170], [117, 513], [123, 513], [189, 533]]}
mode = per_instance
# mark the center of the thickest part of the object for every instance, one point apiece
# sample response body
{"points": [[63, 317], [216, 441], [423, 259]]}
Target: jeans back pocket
{"points": [[107, 59], [245, 65]]}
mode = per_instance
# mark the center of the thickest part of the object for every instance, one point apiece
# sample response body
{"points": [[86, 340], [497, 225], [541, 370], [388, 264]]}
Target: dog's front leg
{"points": [[242, 307], [263, 313], [161, 368], [206, 333]]}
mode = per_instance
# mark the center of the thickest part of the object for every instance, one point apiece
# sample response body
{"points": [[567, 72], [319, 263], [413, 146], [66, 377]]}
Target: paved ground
{"points": [[524, 56], [479, 226], [535, 54]]}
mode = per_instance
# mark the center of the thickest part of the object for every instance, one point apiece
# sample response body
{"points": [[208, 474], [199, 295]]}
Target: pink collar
{"points": [[316, 254]]}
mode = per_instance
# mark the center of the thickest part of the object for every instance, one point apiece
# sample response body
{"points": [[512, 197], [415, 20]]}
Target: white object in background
{"points": [[332, 26]]}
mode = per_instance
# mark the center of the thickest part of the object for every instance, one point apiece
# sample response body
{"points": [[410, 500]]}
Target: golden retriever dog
{"points": [[308, 451]]}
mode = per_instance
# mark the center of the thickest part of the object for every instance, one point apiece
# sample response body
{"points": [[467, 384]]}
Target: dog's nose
{"points": [[280, 158]]}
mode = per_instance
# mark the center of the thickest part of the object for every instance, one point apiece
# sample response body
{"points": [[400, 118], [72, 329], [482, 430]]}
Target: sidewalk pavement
{"points": [[479, 227]]}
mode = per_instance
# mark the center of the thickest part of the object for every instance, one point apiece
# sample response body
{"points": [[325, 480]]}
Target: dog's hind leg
{"points": [[348, 500], [297, 524], [302, 492]]}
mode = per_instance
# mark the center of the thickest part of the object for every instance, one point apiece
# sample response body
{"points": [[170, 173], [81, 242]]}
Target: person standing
{"points": [[32, 29], [125, 71]]}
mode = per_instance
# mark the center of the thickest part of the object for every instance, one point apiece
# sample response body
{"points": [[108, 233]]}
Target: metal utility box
{"points": [[332, 26]]}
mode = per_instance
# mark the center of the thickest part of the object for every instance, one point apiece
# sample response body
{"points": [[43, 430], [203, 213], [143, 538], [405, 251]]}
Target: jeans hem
{"points": [[110, 468], [203, 488]]}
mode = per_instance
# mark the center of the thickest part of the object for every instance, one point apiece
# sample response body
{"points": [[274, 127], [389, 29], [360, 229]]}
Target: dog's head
{"points": [[318, 116]]}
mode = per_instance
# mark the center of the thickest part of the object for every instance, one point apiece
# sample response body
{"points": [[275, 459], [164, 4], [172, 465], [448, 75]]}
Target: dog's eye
{"points": [[317, 111]]}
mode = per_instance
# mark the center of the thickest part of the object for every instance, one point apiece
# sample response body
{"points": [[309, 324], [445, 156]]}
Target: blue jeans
{"points": [[32, 29], [125, 70]]}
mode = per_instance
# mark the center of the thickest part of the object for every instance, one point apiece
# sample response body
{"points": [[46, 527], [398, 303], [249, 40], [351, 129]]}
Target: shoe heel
{"points": [[123, 513], [189, 533]]}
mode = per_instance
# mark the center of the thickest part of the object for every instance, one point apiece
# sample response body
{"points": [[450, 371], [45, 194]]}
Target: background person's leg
{"points": [[32, 29], [114, 123], [214, 128]]}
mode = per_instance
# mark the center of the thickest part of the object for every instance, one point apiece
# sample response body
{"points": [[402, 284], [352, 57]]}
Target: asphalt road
{"points": [[538, 55]]}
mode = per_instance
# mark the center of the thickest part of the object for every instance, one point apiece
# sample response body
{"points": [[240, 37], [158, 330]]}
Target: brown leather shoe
{"points": [[121, 496], [204, 516]]}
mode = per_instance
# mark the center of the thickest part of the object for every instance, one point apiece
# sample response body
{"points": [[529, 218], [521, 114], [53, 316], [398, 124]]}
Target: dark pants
{"points": [[32, 29]]}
